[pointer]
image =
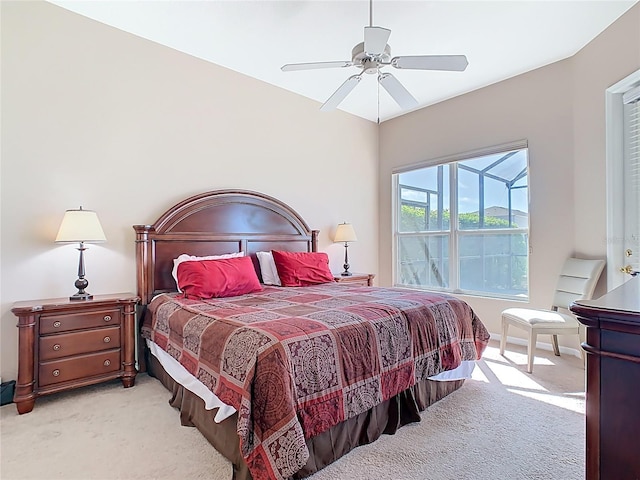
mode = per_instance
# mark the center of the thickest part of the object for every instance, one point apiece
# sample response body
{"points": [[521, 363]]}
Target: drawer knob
{"points": [[107, 318], [56, 324], [56, 347], [107, 363], [56, 372], [106, 339]]}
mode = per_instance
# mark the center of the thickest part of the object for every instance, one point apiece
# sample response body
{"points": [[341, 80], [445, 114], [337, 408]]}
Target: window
{"points": [[463, 225]]}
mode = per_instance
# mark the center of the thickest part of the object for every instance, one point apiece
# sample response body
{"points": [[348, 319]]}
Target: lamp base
{"points": [[81, 296], [346, 265], [81, 284]]}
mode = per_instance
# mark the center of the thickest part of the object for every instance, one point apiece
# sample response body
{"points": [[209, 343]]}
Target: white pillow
{"points": [[268, 268], [192, 258]]}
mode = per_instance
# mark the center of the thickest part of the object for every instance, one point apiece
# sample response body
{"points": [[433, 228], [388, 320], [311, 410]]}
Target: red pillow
{"points": [[299, 269], [227, 277]]}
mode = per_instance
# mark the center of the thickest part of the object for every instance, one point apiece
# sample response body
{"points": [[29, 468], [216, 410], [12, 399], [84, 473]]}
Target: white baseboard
{"points": [[541, 345]]}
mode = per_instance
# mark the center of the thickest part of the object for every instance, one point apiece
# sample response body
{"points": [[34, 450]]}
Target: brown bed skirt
{"points": [[325, 448]]}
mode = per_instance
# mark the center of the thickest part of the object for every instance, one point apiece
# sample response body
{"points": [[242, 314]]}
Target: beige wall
{"points": [[559, 109], [609, 58], [97, 117]]}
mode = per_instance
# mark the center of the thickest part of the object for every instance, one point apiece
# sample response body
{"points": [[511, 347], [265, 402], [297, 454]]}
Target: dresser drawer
{"points": [[78, 321], [67, 344], [83, 366]]}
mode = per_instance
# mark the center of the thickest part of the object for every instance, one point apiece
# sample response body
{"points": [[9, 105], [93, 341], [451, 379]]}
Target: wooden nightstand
{"points": [[66, 344], [364, 279]]}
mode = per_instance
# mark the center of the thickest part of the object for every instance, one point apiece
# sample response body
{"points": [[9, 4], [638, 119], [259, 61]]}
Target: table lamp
{"points": [[345, 233], [80, 226]]}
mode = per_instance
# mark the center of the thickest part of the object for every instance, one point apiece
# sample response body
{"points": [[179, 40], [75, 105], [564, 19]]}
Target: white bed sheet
{"points": [[211, 401], [191, 383]]}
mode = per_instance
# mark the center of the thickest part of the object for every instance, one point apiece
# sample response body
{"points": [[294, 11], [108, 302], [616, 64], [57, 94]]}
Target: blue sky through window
{"points": [[496, 192]]}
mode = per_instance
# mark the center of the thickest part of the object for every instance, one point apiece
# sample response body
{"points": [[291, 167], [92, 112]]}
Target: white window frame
{"points": [[615, 165], [455, 233]]}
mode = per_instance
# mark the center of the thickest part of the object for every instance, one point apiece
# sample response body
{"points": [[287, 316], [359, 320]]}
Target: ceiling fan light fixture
{"points": [[370, 66]]}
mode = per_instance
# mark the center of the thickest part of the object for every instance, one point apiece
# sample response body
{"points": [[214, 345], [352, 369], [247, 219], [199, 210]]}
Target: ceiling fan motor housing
{"points": [[369, 63]]}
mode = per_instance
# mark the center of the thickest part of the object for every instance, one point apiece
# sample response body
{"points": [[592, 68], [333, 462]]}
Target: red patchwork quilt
{"points": [[294, 362]]}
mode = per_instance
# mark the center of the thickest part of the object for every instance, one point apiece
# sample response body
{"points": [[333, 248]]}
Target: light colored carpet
{"points": [[503, 424]]}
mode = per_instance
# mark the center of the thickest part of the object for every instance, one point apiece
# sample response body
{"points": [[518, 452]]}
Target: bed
{"points": [[285, 380]]}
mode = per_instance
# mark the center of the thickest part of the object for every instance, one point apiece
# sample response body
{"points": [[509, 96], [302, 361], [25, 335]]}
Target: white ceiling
{"points": [[501, 39]]}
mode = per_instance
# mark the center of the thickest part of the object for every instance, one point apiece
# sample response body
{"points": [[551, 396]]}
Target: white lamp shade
{"points": [[345, 233], [80, 226]]}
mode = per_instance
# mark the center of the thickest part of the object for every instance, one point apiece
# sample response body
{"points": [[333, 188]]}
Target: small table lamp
{"points": [[80, 226], [345, 233]]}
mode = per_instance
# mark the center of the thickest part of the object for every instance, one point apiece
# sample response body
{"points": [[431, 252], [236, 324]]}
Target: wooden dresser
{"points": [[66, 344], [613, 382]]}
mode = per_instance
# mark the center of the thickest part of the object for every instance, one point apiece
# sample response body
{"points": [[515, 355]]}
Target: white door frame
{"points": [[615, 180]]}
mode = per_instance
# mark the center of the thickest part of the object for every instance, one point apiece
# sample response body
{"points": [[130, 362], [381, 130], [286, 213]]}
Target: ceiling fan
{"points": [[372, 55]]}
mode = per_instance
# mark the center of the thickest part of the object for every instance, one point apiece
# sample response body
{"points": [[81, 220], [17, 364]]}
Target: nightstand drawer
{"points": [[78, 321], [67, 344], [79, 367]]}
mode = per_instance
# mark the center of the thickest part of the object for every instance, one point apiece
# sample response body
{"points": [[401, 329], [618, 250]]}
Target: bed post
{"points": [[314, 240], [142, 260], [142, 286]]}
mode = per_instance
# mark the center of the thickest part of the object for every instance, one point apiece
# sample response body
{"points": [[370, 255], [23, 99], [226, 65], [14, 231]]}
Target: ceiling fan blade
{"points": [[400, 94], [375, 39], [456, 63], [341, 93], [291, 67]]}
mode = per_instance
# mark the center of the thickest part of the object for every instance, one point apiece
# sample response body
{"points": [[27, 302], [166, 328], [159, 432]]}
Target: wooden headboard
{"points": [[214, 223]]}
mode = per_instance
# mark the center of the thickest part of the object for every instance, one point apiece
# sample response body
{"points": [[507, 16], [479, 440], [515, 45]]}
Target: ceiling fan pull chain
{"points": [[378, 95]]}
